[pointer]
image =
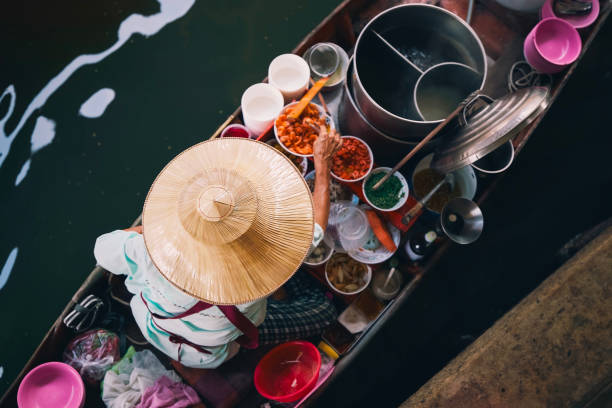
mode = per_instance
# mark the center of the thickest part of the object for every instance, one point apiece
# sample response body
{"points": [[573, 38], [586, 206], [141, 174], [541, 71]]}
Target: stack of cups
{"points": [[288, 77], [554, 43], [261, 104], [289, 74]]}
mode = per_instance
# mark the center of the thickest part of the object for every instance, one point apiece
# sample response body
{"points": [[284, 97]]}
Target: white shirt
{"points": [[124, 253]]}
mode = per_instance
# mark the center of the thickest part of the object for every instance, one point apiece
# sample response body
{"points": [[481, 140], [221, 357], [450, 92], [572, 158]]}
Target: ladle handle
{"points": [[412, 212], [312, 92], [395, 50], [421, 203], [419, 146]]}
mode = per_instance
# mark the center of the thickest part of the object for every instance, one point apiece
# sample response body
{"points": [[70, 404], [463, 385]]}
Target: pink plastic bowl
{"points": [[51, 385], [576, 21], [552, 45], [288, 372]]}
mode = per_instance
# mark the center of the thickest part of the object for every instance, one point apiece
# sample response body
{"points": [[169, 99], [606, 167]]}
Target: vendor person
{"points": [[226, 225]]}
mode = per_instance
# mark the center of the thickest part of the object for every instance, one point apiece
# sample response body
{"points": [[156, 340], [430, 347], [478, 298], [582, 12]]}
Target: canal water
{"points": [[96, 98]]}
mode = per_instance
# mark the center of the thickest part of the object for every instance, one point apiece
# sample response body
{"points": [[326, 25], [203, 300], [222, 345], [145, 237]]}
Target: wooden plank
{"points": [[553, 349]]}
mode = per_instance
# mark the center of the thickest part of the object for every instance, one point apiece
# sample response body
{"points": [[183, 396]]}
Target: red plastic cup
{"points": [[288, 372], [236, 130]]}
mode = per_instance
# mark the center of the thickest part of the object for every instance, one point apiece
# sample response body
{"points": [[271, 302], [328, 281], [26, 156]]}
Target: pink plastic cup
{"points": [[552, 45]]}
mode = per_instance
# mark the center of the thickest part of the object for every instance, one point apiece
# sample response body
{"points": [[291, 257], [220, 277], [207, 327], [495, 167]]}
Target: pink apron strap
{"points": [[250, 334], [197, 308]]}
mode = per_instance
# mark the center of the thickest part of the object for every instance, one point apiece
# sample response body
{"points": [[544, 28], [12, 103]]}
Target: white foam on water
{"points": [[170, 10], [97, 103], [23, 172], [43, 134], [8, 267], [1, 371]]}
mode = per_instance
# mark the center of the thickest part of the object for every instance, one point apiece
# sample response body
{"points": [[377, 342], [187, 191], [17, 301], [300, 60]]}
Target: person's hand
{"points": [[325, 146], [137, 229]]}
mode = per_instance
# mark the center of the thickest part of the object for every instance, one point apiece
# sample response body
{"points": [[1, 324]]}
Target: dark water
{"points": [[173, 89]]}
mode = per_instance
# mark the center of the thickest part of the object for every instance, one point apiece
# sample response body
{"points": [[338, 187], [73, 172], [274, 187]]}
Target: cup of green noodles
{"points": [[391, 195]]}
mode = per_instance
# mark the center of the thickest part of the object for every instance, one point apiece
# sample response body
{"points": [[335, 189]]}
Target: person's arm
{"points": [[324, 148]]}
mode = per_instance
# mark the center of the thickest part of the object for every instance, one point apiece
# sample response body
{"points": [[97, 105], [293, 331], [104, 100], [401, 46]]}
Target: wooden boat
{"points": [[495, 25]]}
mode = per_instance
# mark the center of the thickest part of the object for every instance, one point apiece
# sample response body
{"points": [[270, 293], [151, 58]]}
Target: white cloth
{"points": [[125, 388], [124, 253]]}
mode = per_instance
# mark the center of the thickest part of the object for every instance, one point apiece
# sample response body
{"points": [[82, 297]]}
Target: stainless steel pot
{"points": [[384, 84], [351, 121]]}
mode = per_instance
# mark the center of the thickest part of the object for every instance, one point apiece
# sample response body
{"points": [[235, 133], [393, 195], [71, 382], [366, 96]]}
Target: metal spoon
{"points": [[449, 178], [573, 7]]}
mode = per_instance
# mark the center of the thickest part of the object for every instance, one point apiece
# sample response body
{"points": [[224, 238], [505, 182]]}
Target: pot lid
{"points": [[489, 128]]}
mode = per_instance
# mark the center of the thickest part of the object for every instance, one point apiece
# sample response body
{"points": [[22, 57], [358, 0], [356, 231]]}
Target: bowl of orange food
{"points": [[353, 161], [298, 136]]}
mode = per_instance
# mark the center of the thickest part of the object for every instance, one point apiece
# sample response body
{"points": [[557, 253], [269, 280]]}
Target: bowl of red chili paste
{"points": [[353, 161]]}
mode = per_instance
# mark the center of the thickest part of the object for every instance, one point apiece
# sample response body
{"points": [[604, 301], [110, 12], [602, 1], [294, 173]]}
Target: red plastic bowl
{"points": [[51, 385], [278, 377]]}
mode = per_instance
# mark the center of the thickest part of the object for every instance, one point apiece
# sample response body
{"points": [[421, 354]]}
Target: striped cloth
{"points": [[304, 313]]}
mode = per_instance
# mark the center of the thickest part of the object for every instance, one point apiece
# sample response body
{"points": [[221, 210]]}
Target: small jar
{"points": [[391, 289]]}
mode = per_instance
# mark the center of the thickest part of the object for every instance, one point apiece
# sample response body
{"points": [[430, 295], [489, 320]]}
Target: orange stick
{"points": [[323, 104], [312, 92]]}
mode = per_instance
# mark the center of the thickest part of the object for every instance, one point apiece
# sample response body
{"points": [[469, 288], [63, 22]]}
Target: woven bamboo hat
{"points": [[228, 221]]}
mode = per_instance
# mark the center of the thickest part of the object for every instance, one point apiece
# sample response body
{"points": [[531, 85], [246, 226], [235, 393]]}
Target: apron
{"points": [[250, 334]]}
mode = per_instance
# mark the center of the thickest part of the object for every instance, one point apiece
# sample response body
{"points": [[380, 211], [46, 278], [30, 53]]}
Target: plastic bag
{"points": [[92, 354]]}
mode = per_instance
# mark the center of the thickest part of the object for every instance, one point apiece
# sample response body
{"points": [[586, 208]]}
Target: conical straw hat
{"points": [[228, 221]]}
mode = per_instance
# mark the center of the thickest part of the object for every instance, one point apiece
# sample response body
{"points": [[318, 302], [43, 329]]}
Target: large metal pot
{"points": [[384, 83], [351, 121]]}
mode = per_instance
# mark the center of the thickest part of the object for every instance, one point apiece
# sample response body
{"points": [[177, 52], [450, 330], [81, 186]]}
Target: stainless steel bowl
{"points": [[384, 83]]}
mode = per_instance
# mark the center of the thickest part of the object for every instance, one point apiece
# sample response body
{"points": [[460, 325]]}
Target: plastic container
{"points": [[465, 180], [237, 130], [328, 119], [337, 78], [369, 168], [552, 45], [576, 21], [288, 372], [289, 73], [367, 279], [392, 288], [354, 230], [330, 252], [405, 190], [261, 104], [334, 184], [51, 385]]}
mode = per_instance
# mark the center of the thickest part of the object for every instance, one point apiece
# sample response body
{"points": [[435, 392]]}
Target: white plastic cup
{"points": [[261, 104], [289, 74]]}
